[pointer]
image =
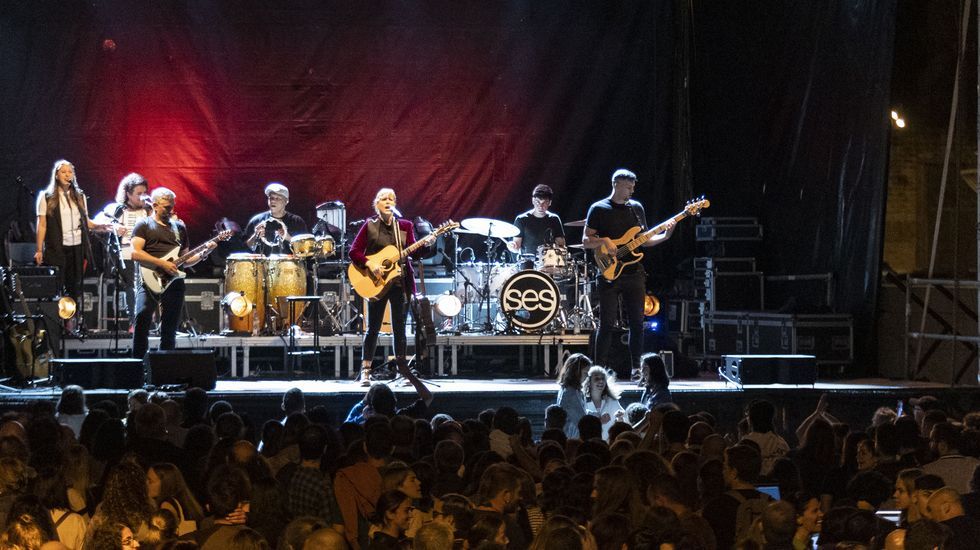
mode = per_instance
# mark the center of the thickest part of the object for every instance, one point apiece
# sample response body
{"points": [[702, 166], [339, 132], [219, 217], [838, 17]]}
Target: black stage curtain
{"points": [[790, 122]]}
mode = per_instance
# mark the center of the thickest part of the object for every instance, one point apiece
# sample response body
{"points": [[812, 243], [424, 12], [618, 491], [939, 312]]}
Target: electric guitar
{"points": [[612, 262], [157, 280], [32, 360], [371, 288]]}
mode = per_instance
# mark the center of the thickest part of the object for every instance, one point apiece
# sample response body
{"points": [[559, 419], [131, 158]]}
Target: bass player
{"points": [[608, 220], [154, 237]]}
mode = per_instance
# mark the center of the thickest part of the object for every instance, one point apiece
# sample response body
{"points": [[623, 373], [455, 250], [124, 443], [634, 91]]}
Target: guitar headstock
{"points": [[695, 206], [447, 225], [224, 235]]}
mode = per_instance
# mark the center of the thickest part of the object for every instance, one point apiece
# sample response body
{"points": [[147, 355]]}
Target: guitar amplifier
{"points": [[39, 282]]}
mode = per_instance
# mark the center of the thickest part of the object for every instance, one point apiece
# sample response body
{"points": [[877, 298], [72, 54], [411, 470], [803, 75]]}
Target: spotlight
{"points": [[237, 304], [894, 115], [651, 305], [448, 305], [67, 308], [900, 122]]}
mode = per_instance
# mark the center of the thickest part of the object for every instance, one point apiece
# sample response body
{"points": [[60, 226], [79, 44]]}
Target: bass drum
{"points": [[529, 300], [245, 274], [474, 273], [287, 277]]}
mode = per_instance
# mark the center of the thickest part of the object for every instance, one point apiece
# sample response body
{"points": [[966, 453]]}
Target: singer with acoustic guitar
{"points": [[610, 219], [155, 239], [381, 231]]}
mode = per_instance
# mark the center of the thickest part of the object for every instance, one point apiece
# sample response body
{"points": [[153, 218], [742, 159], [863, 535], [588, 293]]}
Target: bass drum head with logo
{"points": [[530, 300]]}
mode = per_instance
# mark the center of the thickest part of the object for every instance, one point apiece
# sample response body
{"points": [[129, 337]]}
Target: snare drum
{"points": [[303, 245], [287, 277], [245, 274], [553, 260], [530, 300]]}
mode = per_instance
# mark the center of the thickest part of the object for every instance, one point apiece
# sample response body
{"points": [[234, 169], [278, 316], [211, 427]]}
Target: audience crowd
{"points": [[185, 471]]}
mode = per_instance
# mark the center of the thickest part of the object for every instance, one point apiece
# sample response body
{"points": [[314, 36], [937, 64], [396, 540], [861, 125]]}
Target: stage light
{"points": [[448, 305], [900, 122], [67, 308], [651, 305], [237, 304], [894, 115]]}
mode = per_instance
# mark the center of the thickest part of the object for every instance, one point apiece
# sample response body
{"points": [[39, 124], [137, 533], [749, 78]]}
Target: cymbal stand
{"points": [[485, 297], [581, 316]]}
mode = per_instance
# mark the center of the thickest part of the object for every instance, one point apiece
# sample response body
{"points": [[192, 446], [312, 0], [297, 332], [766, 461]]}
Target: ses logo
{"points": [[530, 299]]}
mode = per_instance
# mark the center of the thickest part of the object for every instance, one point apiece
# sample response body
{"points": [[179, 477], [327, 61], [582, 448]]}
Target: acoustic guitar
{"points": [[157, 280], [371, 287], [611, 262]]}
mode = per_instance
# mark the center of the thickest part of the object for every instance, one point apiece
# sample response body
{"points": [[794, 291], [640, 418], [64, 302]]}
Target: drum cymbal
{"points": [[577, 246], [576, 223], [491, 227]]}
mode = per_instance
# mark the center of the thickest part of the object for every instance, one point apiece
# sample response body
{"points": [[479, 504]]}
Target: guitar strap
{"points": [[632, 204]]}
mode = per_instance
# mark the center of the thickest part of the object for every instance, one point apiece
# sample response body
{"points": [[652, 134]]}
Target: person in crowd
{"points": [[499, 496], [398, 476], [762, 415], [571, 376], [742, 467], [809, 519], [71, 408], [393, 515], [665, 491], [229, 493], [324, 539], [380, 400], [168, 491], [309, 490], [293, 401], [602, 398], [433, 536], [945, 506], [955, 468], [654, 380], [904, 490], [125, 500], [358, 487]]}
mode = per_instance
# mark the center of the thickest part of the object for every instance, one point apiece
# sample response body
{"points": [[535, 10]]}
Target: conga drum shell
{"points": [[287, 277], [245, 273]]}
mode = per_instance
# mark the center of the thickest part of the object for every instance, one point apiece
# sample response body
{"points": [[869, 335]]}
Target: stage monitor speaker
{"points": [[770, 369], [116, 374], [190, 367]]}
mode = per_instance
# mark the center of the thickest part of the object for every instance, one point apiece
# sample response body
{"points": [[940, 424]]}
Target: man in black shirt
{"points": [[270, 232], [153, 238], [608, 220], [537, 225]]}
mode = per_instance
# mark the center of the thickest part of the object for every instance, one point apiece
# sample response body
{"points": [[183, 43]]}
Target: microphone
{"points": [[396, 212]]}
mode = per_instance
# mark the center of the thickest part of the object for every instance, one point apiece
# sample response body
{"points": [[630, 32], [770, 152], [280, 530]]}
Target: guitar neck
{"points": [[649, 233], [193, 252]]}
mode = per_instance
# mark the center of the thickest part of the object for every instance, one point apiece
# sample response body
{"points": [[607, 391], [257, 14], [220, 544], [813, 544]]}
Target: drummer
{"points": [[269, 232], [538, 226]]}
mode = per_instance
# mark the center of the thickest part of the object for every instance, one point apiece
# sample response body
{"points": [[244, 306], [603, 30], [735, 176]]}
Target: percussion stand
{"points": [[485, 291]]}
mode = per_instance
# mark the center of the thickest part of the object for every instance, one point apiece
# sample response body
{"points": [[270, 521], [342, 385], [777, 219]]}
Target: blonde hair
{"points": [[610, 390], [383, 192]]}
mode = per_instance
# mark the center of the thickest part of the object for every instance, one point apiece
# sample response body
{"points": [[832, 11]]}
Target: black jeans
{"points": [[375, 317], [632, 288], [73, 271], [171, 303]]}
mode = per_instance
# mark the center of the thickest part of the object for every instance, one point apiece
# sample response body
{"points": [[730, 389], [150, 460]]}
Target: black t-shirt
{"points": [[613, 220], [294, 226], [159, 239], [538, 231]]}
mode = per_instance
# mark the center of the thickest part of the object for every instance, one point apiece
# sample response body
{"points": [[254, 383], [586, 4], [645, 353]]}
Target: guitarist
{"points": [[153, 238], [377, 233], [608, 220]]}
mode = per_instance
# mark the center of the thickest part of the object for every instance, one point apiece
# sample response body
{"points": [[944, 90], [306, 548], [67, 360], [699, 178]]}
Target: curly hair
{"points": [[125, 499]]}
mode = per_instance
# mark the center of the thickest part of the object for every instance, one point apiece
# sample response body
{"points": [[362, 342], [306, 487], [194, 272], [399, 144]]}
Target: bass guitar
{"points": [[612, 261], [157, 280], [371, 287]]}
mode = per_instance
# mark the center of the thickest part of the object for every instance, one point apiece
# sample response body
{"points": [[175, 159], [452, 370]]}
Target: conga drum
{"points": [[287, 277], [245, 274]]}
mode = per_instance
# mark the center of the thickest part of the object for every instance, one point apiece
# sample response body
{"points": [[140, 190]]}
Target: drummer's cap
{"points": [[623, 173], [542, 191], [278, 189]]}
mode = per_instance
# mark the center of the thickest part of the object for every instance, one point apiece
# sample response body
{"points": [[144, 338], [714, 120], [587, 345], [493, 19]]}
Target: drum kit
{"points": [[548, 291], [545, 292]]}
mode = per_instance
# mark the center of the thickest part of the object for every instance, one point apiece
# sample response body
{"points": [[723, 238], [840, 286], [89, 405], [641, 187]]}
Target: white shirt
{"points": [[609, 406], [71, 217]]}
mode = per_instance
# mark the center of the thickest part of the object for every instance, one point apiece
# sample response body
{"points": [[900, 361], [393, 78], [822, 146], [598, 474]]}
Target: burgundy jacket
{"points": [[366, 243]]}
